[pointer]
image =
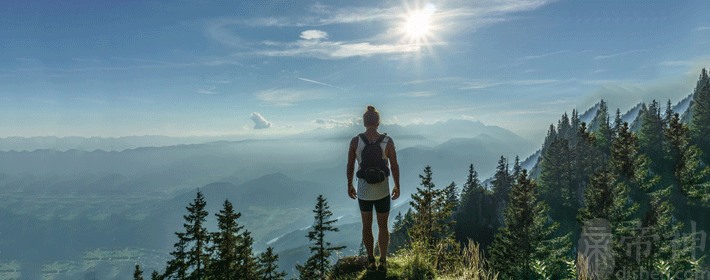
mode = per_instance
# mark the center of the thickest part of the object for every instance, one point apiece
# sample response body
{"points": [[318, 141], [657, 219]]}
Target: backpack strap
{"points": [[382, 138], [364, 138]]}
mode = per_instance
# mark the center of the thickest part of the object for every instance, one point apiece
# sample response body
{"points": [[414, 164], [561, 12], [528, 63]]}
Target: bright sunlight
{"points": [[418, 25]]}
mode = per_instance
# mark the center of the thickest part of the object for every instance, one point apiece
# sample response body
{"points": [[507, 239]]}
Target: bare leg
{"points": [[367, 238], [383, 236]]}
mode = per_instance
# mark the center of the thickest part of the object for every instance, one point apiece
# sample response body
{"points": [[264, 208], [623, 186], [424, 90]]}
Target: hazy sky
{"points": [[196, 67]]}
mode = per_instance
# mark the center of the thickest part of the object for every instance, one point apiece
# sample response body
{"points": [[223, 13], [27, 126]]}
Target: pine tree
{"points": [[138, 273], [249, 265], [476, 216], [694, 177], [196, 233], [424, 204], [668, 247], [624, 150], [700, 115], [268, 267], [516, 170], [191, 254], [651, 135], [226, 263], [564, 127], [607, 198], [447, 206], [668, 114], [318, 265], [617, 122], [602, 136], [556, 174], [501, 188], [400, 233], [527, 235], [155, 275]]}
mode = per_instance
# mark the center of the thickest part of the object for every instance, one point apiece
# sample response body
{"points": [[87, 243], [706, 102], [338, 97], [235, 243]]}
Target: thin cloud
{"points": [[207, 90], [702, 28], [330, 123], [259, 121], [475, 85], [418, 94], [287, 97], [598, 57], [338, 50], [317, 82], [529, 57]]}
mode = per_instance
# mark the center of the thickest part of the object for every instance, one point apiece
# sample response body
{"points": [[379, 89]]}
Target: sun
{"points": [[418, 23]]}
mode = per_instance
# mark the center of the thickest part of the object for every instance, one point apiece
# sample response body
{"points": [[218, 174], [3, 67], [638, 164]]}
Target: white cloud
{"points": [[337, 50], [313, 35], [287, 97], [598, 57], [529, 57], [259, 121], [330, 123], [702, 28]]}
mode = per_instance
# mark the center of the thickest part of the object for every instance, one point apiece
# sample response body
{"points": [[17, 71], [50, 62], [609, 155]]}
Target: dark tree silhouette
{"points": [[318, 264]]}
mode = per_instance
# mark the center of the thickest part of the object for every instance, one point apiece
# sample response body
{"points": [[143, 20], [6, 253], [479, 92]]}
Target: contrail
{"points": [[318, 83]]}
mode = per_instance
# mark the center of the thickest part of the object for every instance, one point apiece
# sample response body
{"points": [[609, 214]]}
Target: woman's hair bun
{"points": [[370, 108]]}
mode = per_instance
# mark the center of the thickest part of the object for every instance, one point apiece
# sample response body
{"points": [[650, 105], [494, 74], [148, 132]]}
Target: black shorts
{"points": [[381, 205]]}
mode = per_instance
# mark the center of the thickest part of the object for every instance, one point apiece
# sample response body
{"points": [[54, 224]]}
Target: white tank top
{"points": [[367, 191]]}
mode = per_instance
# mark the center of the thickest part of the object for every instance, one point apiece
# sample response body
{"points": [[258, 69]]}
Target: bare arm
{"points": [[350, 169], [394, 167]]}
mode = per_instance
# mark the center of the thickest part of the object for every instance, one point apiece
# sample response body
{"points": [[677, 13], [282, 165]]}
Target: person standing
{"points": [[377, 160]]}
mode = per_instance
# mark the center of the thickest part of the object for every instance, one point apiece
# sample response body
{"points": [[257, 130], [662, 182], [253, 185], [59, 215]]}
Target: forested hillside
{"points": [[603, 201]]}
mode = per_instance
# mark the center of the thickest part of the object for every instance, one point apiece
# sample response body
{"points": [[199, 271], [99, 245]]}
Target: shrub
{"points": [[350, 265], [416, 263]]}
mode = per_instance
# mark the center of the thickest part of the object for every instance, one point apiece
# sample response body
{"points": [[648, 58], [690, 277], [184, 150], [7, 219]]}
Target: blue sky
{"points": [[115, 68]]}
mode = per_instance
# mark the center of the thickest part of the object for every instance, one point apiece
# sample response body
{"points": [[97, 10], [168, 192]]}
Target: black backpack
{"points": [[373, 168]]}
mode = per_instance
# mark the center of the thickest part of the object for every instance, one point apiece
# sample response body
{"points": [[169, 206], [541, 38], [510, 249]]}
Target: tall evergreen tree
{"points": [[527, 235], [138, 273], [476, 216], [447, 206], [400, 237], [603, 130], [617, 121], [651, 135], [624, 150], [668, 246], [268, 267], [226, 262], [700, 115], [516, 170], [155, 275], [608, 198], [694, 177], [318, 264], [197, 235], [424, 203], [501, 188], [191, 254], [556, 174]]}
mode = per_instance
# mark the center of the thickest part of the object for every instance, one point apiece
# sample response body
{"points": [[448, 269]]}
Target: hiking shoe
{"points": [[371, 264], [383, 265]]}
